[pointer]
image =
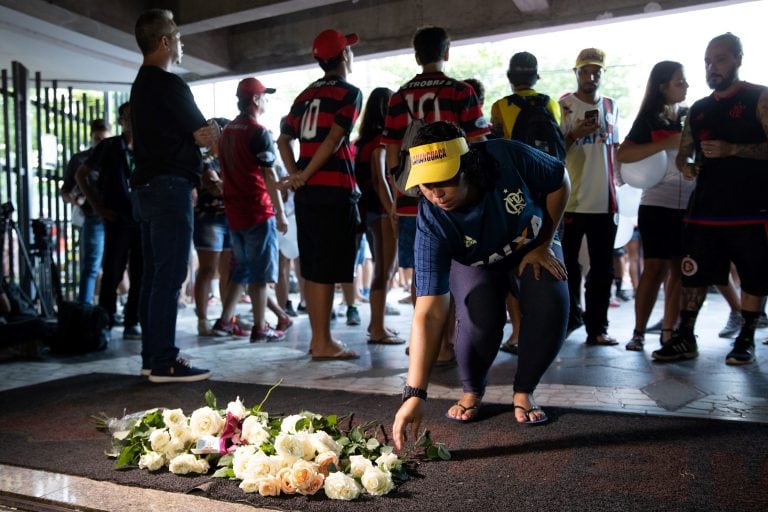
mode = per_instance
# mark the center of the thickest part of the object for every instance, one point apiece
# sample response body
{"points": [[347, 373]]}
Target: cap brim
{"points": [[590, 63], [436, 162], [270, 90], [352, 39]]}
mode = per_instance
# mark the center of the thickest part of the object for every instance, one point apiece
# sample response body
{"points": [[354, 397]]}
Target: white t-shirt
{"points": [[590, 160]]}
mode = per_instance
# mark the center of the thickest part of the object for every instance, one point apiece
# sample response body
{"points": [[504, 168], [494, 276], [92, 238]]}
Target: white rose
{"points": [[175, 447], [388, 461], [269, 486], [205, 422], [289, 446], [253, 432], [159, 440], [174, 418], [288, 425], [258, 466], [307, 445], [249, 485], [180, 432], [240, 460], [377, 482], [151, 461], [358, 465], [323, 442], [339, 486], [237, 409], [187, 463]]}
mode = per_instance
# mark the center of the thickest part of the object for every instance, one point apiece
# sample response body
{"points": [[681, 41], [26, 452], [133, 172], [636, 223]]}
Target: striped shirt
{"points": [[328, 101], [433, 97]]}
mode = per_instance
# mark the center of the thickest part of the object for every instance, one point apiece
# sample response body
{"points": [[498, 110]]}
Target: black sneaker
{"points": [[743, 352], [301, 309], [678, 347], [180, 371], [573, 325]]}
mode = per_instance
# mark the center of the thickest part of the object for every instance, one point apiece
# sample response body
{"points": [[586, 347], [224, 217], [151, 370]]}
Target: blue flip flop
{"points": [[529, 420], [465, 410]]}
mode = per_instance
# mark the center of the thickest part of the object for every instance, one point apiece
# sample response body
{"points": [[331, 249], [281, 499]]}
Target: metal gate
{"points": [[42, 127]]}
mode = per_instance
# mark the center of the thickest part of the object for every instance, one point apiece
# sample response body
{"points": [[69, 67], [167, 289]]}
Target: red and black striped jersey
{"points": [[432, 97], [328, 101]]}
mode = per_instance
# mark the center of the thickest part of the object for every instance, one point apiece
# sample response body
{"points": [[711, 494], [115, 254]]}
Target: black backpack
{"points": [[536, 126]]}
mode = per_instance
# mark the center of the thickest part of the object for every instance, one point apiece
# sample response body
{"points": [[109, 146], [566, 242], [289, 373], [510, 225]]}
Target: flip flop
{"points": [[389, 339], [529, 420], [344, 354], [465, 410]]}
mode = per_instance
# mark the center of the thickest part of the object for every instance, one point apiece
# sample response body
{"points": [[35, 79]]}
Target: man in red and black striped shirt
{"points": [[433, 96], [321, 118]]}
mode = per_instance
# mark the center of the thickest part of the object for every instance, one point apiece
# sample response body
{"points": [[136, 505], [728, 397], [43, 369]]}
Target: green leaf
{"points": [[443, 452], [372, 444], [224, 473], [210, 399]]}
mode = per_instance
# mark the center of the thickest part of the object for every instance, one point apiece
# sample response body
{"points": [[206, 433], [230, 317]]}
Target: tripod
{"points": [[43, 247]]}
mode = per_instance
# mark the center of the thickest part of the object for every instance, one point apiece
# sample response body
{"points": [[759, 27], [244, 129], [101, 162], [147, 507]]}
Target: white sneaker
{"points": [[732, 326]]}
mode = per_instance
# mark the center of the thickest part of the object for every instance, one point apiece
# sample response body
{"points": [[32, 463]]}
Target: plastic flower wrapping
{"points": [[301, 453]]}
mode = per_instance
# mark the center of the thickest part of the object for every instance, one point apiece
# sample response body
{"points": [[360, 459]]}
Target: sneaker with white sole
{"points": [[267, 334], [222, 329], [743, 351], [678, 347], [179, 371], [732, 326], [353, 316]]}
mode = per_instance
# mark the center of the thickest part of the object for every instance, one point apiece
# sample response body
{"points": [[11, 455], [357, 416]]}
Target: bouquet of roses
{"points": [[272, 455]]}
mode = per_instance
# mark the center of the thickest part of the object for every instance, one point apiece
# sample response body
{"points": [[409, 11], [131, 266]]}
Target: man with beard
{"points": [[591, 138], [724, 145]]}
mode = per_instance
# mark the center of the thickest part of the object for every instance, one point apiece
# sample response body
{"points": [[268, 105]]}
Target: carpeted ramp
{"points": [[584, 461]]}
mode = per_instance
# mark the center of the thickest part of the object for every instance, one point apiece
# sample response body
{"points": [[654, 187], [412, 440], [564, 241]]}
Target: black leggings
{"points": [[480, 295]]}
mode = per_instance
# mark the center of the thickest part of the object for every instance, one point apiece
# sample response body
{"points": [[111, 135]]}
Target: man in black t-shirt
{"points": [[111, 201], [168, 128], [725, 147]]}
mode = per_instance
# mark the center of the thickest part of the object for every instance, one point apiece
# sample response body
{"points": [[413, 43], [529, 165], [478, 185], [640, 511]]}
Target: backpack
{"points": [[536, 126], [404, 165]]}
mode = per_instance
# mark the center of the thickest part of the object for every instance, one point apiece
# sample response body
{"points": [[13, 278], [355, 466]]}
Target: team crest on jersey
{"points": [[469, 241], [514, 202], [689, 266]]}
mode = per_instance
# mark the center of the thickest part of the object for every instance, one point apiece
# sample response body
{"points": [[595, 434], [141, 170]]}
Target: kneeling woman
{"points": [[486, 227]]}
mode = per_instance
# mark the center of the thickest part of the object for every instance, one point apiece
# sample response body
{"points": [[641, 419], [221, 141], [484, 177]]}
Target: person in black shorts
{"points": [[321, 118], [725, 147]]}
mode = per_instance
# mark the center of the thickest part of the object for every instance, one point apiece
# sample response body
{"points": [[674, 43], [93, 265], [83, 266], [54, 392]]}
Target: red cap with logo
{"points": [[330, 43], [249, 87]]}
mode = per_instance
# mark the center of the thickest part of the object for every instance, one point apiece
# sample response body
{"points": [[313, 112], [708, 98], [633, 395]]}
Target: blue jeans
{"points": [[91, 253], [165, 215]]}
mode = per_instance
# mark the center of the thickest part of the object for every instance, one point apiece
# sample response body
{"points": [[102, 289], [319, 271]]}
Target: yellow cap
{"points": [[436, 162], [590, 56]]}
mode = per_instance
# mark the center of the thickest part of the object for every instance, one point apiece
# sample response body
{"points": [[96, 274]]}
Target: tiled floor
{"points": [[596, 378]]}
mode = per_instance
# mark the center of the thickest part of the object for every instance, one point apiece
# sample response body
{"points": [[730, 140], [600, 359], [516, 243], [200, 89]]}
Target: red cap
{"points": [[250, 87], [330, 43]]}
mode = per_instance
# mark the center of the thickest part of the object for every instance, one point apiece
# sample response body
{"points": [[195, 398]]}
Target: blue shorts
{"points": [[211, 232], [255, 253], [406, 236]]}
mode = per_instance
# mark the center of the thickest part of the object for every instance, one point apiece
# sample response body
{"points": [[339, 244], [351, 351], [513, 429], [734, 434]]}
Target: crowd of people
{"points": [[491, 216]]}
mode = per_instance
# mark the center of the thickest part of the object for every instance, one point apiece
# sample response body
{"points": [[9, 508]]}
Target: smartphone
{"points": [[591, 116]]}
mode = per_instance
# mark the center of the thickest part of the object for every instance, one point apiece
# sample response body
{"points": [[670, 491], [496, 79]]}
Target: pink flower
{"points": [[230, 436]]}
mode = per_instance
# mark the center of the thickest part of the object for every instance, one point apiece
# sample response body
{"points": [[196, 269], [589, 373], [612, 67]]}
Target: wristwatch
{"points": [[409, 391]]}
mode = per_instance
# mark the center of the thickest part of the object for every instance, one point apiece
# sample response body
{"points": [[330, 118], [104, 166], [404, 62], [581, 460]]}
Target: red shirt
{"points": [[245, 148]]}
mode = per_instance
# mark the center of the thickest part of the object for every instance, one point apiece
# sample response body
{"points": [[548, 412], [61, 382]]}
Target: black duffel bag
{"points": [[81, 328]]}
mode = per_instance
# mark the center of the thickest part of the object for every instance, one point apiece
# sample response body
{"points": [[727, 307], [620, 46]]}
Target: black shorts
{"points": [[709, 251], [661, 232], [326, 236]]}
